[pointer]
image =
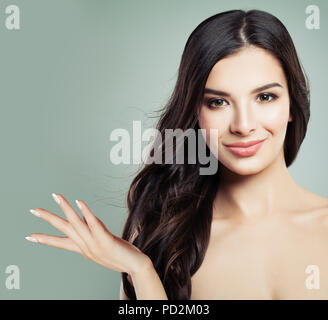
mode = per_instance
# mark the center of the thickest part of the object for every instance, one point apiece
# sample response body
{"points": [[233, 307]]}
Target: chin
{"points": [[244, 169]]}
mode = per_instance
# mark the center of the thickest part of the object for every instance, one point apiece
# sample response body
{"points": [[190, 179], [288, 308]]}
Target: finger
{"points": [[95, 225], [80, 227], [56, 241], [60, 224]]}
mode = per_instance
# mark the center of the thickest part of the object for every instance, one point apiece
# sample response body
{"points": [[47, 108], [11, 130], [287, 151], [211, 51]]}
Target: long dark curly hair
{"points": [[170, 205]]}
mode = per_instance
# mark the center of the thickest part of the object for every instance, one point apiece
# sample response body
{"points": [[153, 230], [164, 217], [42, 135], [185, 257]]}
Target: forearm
{"points": [[147, 284]]}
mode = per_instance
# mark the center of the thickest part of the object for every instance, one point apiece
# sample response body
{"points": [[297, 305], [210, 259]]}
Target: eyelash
{"points": [[210, 100]]}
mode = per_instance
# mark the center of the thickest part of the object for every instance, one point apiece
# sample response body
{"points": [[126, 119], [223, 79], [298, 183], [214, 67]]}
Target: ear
{"points": [[290, 118]]}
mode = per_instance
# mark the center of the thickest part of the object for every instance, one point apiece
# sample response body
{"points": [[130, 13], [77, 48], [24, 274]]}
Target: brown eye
{"points": [[214, 103], [267, 97]]}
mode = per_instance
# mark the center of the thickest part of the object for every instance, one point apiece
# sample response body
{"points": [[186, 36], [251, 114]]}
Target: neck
{"points": [[256, 195]]}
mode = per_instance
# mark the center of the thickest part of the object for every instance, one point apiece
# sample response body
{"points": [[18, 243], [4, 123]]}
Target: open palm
{"points": [[89, 237]]}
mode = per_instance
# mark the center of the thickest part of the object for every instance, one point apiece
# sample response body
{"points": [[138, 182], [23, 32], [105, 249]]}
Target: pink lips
{"points": [[245, 149]]}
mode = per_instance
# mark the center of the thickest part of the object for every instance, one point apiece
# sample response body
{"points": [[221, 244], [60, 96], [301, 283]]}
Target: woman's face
{"points": [[240, 114]]}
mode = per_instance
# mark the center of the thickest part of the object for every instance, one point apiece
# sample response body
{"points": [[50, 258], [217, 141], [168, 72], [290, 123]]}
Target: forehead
{"points": [[245, 70]]}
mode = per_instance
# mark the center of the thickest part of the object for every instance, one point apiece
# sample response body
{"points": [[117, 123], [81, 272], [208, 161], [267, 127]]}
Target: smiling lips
{"points": [[245, 149]]}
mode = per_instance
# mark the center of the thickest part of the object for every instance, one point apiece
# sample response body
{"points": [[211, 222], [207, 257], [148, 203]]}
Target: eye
{"points": [[266, 97], [217, 102]]}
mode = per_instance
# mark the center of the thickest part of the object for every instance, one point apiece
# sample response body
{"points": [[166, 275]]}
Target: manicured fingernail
{"points": [[78, 204], [56, 198], [37, 214], [31, 239]]}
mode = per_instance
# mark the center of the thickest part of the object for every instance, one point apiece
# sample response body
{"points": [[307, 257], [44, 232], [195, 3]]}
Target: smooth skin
{"points": [[266, 229]]}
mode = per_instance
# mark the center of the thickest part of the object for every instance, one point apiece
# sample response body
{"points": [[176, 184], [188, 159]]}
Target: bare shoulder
{"points": [[316, 214], [319, 207], [314, 198], [311, 228], [312, 212], [314, 205]]}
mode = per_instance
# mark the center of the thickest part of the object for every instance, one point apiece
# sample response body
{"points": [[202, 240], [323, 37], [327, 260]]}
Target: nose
{"points": [[244, 121]]}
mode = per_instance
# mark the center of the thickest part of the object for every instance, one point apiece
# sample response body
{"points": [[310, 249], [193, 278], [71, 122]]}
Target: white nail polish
{"points": [[31, 239], [56, 198], [37, 214], [78, 204]]}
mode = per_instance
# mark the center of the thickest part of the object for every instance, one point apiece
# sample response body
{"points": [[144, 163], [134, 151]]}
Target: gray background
{"points": [[75, 71]]}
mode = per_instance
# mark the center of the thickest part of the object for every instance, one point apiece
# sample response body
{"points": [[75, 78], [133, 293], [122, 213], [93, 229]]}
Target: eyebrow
{"points": [[222, 93]]}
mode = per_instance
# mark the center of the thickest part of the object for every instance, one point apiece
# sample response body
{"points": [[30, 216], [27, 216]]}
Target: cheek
{"points": [[208, 121], [275, 119]]}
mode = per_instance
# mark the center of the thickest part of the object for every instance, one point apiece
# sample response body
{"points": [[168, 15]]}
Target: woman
{"points": [[246, 232]]}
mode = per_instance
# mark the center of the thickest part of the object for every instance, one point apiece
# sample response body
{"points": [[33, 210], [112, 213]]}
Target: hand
{"points": [[90, 238]]}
